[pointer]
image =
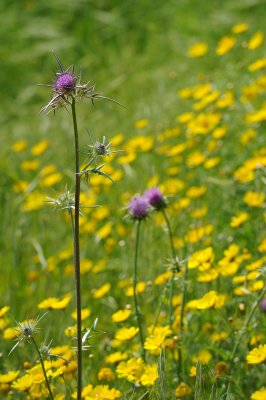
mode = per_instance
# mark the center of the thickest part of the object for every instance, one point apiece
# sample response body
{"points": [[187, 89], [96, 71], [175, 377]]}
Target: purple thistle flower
{"points": [[67, 87], [155, 198], [65, 82], [139, 208], [263, 305]]}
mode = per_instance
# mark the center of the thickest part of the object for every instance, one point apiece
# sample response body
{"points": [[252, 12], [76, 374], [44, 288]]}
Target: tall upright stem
{"points": [[76, 249], [137, 310], [43, 368], [182, 312], [175, 265]]}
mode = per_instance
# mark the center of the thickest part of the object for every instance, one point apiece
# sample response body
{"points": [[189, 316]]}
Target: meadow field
{"points": [[168, 100]]}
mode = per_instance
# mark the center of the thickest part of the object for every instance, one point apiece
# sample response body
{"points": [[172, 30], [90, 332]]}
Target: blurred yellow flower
{"points": [[239, 219], [240, 28], [254, 199], [116, 357], [201, 259], [225, 45], [9, 377], [4, 310], [24, 383], [102, 291], [53, 303], [121, 315], [204, 356], [197, 50], [259, 394], [39, 148], [183, 390], [141, 123], [85, 313], [126, 333], [30, 165], [255, 41], [207, 301], [106, 374], [257, 65], [19, 146], [149, 375]]}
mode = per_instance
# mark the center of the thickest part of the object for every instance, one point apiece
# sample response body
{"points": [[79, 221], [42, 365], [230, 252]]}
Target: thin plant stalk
{"points": [[242, 332], [76, 249], [171, 294], [174, 270], [44, 372], [182, 313], [137, 309]]}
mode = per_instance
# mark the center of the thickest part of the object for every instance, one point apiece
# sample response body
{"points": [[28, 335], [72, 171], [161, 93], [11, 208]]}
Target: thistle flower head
{"points": [[139, 208], [67, 87], [65, 82], [26, 330], [155, 198], [64, 202], [263, 305]]}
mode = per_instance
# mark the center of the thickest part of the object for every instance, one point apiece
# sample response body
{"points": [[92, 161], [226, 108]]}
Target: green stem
{"points": [[76, 250], [161, 303], [242, 332], [44, 372], [137, 309], [182, 313], [175, 268]]}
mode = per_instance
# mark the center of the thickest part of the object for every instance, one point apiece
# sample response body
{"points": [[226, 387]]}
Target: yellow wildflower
{"points": [[197, 50], [257, 355], [257, 65], [51, 179], [126, 333], [85, 313], [255, 41], [131, 369], [195, 192], [259, 394], [240, 28], [202, 259], [183, 390], [9, 377], [239, 219], [139, 289], [23, 384], [254, 199], [53, 303], [4, 310], [106, 374], [19, 146], [102, 291], [116, 357], [121, 315], [204, 356], [30, 165], [149, 375], [204, 303], [225, 45], [141, 123], [39, 148]]}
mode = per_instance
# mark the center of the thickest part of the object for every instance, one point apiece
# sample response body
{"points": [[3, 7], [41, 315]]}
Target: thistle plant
{"points": [[138, 209], [26, 331], [67, 91]]}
